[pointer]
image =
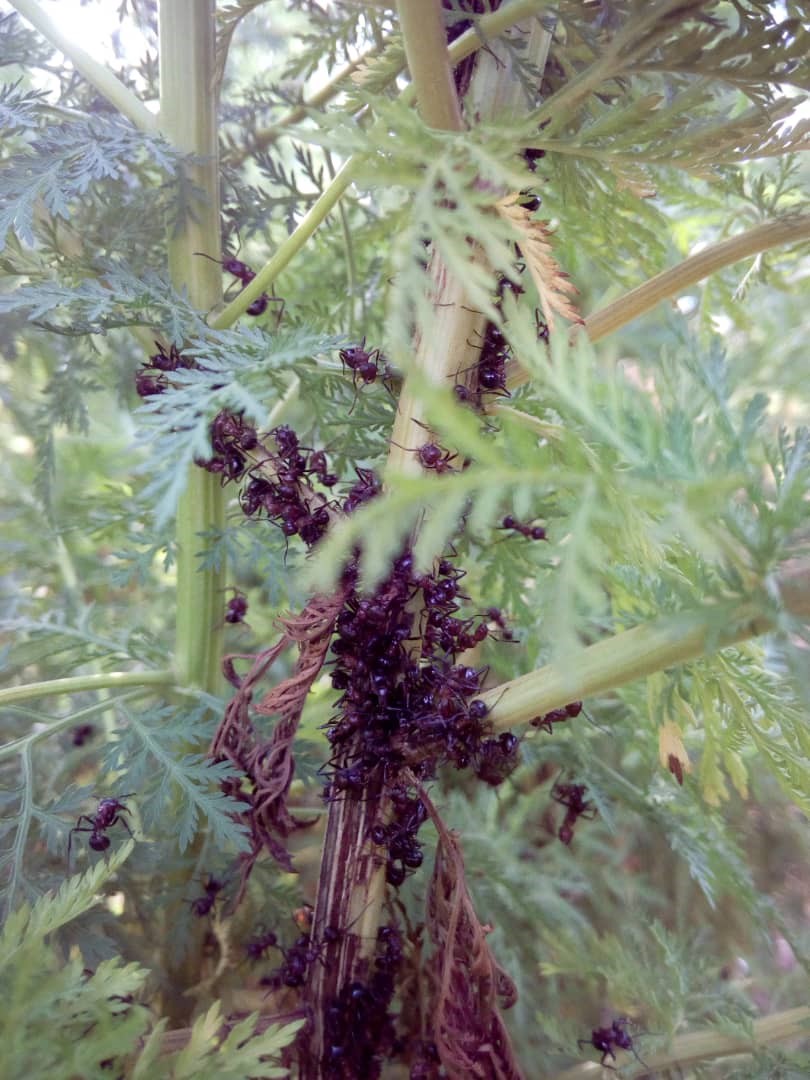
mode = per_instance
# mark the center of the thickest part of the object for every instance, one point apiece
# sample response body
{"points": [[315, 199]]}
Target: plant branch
{"points": [[291, 246], [696, 1046], [98, 75], [188, 119], [634, 654], [268, 136], [108, 680], [188, 113], [789, 229]]}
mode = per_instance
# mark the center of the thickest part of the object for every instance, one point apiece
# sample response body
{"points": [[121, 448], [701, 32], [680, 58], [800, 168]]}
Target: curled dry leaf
{"points": [[554, 287], [269, 764], [468, 986]]}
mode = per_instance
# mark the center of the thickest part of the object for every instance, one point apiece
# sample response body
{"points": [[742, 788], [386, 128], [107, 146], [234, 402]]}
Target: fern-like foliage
{"points": [[152, 755], [64, 161]]}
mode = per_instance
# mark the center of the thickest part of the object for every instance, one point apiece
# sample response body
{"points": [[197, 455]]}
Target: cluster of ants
{"points": [[359, 1027], [152, 377]]}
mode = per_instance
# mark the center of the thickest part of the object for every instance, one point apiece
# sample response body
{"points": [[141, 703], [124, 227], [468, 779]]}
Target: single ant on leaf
{"points": [[108, 813], [572, 797], [606, 1039], [531, 532]]}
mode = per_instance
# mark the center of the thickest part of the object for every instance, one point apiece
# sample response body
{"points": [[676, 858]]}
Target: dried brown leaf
{"points": [[554, 287]]}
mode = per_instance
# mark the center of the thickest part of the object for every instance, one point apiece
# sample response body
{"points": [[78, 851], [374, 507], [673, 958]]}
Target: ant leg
{"points": [[117, 820], [72, 831]]}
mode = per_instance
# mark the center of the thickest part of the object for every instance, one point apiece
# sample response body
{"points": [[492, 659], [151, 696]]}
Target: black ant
{"points": [[531, 532], [432, 456], [82, 734], [531, 155], [572, 797], [497, 759], [242, 272], [236, 608], [557, 716], [108, 813], [256, 948], [606, 1039], [361, 361], [203, 905]]}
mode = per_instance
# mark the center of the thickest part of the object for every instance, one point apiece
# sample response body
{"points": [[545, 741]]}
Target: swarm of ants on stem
{"points": [[408, 705]]}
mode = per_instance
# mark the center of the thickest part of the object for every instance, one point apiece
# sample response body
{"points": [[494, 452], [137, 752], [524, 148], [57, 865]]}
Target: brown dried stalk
{"points": [[269, 764], [468, 983]]}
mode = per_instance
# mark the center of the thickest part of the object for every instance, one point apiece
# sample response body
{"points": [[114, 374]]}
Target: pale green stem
{"points": [[188, 112], [634, 654], [290, 247], [697, 1046], [108, 680], [792, 228], [97, 74], [789, 229]]}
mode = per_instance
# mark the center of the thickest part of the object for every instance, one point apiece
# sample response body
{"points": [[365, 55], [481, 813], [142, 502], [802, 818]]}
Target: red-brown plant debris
{"points": [[268, 764], [468, 985]]}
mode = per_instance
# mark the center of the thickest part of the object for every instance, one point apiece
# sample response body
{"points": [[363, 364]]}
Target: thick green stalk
{"points": [[188, 119], [634, 654], [789, 229]]}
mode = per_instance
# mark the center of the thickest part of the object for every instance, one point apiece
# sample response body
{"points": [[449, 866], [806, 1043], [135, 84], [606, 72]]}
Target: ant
{"points": [[497, 759], [557, 716], [108, 813], [242, 272], [82, 734], [256, 948], [606, 1039], [203, 905], [432, 456], [531, 532], [361, 361], [572, 797], [496, 615], [236, 608]]}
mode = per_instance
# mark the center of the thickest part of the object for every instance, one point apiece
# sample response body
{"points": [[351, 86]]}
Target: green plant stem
{"points": [[634, 654], [98, 75], [108, 680], [431, 73], [188, 112], [188, 119], [789, 229], [291, 246], [487, 27], [697, 1046], [317, 100]]}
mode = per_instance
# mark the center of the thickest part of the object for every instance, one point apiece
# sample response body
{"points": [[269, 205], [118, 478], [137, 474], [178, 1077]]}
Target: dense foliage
{"points": [[428, 608]]}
